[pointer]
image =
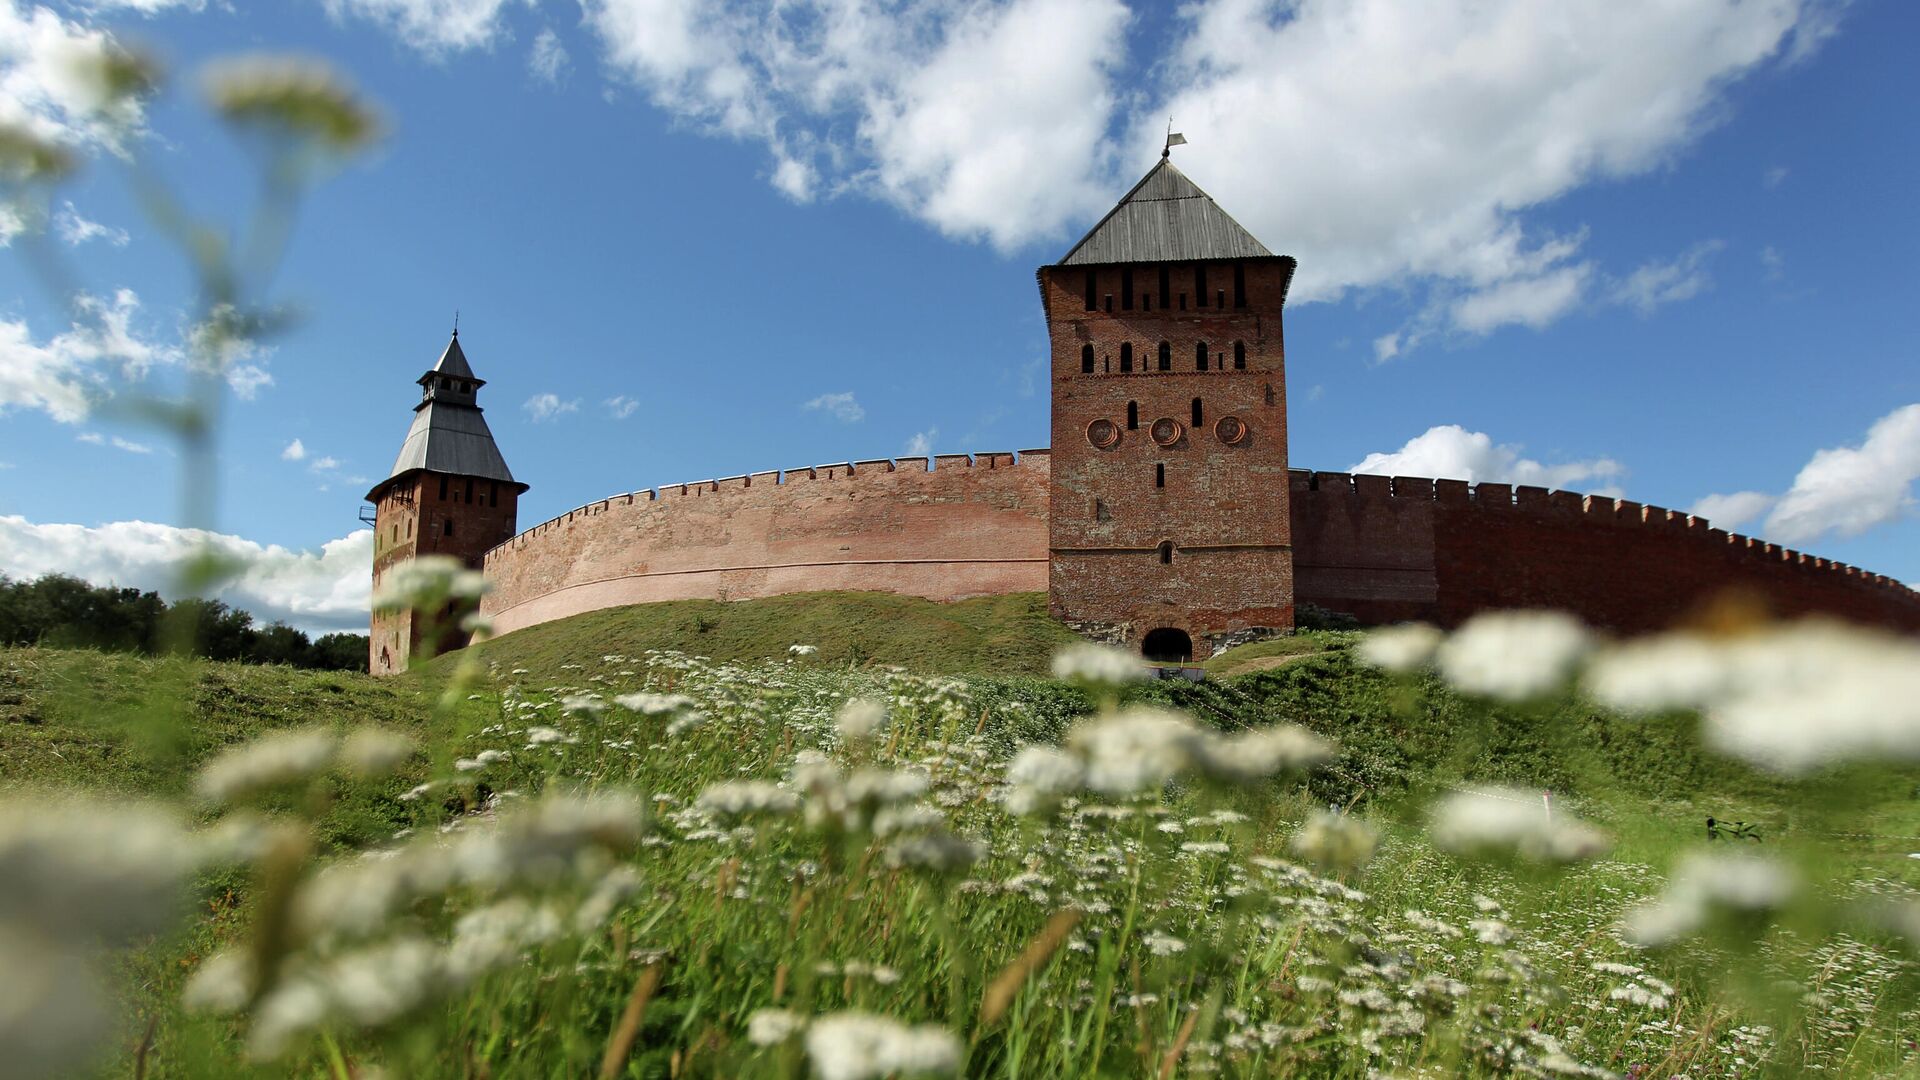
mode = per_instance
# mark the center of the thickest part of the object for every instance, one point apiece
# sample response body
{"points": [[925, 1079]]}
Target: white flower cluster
{"points": [[284, 758], [1511, 822], [1137, 750], [860, 719], [737, 798], [863, 1046], [1402, 649], [428, 583], [1333, 841], [1098, 665], [1513, 655], [1706, 885], [77, 875], [1790, 697], [681, 712]]}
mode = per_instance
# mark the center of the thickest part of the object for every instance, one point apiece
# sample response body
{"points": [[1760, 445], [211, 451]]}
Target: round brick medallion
{"points": [[1166, 431], [1231, 429], [1103, 433]]}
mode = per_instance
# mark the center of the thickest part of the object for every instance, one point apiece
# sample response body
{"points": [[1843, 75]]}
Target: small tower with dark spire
{"points": [[1169, 521], [449, 493]]}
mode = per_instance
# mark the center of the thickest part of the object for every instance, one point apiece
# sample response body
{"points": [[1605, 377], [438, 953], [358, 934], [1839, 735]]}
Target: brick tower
{"points": [[1168, 524], [449, 494]]}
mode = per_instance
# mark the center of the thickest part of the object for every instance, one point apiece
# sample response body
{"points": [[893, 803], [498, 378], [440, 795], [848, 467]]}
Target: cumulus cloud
{"points": [[987, 120], [1735, 510], [318, 591], [435, 27], [1534, 301], [295, 451], [1659, 283], [543, 407], [50, 81], [548, 59], [68, 373], [1850, 489], [620, 407], [94, 438], [841, 407], [77, 230], [1450, 451], [922, 442]]}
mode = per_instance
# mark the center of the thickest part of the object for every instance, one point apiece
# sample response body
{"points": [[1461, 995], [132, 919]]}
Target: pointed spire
{"points": [[1165, 218], [453, 363]]}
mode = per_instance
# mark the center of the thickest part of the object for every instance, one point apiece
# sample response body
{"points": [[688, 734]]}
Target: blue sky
{"points": [[1659, 252]]}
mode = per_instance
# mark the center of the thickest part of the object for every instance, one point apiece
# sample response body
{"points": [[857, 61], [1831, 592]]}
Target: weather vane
{"points": [[1174, 139], [456, 322]]}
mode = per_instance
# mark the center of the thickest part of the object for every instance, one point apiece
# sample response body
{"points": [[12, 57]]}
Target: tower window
{"points": [[1200, 283], [1166, 356], [1126, 356], [396, 532], [1126, 288], [493, 493], [1100, 511], [1199, 356], [469, 491], [1090, 290], [1183, 301], [1239, 284], [1196, 413], [446, 527], [443, 489], [1166, 287], [1133, 416], [1239, 356], [409, 528], [1160, 475], [1166, 551], [1221, 297], [1109, 303], [1086, 359]]}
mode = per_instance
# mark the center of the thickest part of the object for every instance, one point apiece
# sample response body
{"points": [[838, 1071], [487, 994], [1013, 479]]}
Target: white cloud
{"points": [[130, 446], [922, 442], [548, 60], [1732, 511], [1773, 263], [434, 27], [315, 590], [620, 407], [1386, 347], [145, 7], [1452, 452], [66, 375], [1534, 301], [1774, 177], [987, 120], [1659, 283], [93, 437], [841, 406], [543, 407], [324, 464], [76, 230], [1848, 490], [295, 451]]}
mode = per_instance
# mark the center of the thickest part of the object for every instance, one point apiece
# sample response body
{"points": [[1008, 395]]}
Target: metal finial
{"points": [[1174, 139], [456, 322]]}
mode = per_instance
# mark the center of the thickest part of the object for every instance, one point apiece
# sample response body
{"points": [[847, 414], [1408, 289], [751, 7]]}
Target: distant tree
{"points": [[340, 652], [278, 643]]}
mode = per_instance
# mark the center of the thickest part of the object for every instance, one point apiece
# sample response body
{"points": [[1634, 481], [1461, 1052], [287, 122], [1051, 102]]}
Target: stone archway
{"points": [[1167, 645]]}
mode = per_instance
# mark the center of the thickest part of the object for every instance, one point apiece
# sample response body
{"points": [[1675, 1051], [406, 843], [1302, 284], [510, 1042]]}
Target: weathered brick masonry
{"points": [[968, 527]]}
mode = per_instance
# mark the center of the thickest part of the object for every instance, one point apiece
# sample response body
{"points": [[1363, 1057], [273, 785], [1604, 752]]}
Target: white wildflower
{"points": [[861, 719], [771, 1027], [1402, 649], [1038, 777], [802, 650], [584, 705], [1162, 944], [54, 1014], [541, 736], [428, 583], [86, 870], [271, 761], [1337, 842], [481, 760], [1491, 931], [1513, 655], [222, 984], [862, 1046], [1638, 995], [1251, 755], [1706, 885], [735, 798], [938, 851], [1089, 663], [1136, 751], [370, 752], [1508, 821]]}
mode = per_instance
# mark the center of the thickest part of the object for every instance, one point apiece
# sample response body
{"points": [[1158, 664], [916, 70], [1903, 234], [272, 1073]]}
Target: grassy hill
{"points": [[995, 635]]}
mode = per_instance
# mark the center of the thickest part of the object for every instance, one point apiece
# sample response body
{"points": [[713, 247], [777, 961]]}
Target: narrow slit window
{"points": [[469, 491], [1239, 356], [1239, 284], [1160, 475], [409, 528], [1199, 356], [447, 527], [1200, 284], [1091, 293], [1166, 551], [1133, 416], [1166, 356], [493, 493], [1196, 413], [1109, 303], [443, 489], [1126, 356], [1126, 288], [1086, 359], [1166, 287], [1221, 299]]}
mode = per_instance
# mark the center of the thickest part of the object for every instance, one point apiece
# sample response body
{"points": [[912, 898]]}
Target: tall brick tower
{"points": [[449, 493], [1168, 525]]}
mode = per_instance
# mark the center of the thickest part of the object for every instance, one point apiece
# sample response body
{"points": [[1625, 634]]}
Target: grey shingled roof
{"points": [[1165, 218], [453, 363]]}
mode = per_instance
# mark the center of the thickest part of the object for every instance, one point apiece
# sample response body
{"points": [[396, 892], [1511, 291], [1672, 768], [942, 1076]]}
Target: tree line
{"points": [[65, 612]]}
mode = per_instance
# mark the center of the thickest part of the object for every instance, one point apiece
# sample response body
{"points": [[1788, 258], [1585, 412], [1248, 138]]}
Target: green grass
{"points": [[1005, 635]]}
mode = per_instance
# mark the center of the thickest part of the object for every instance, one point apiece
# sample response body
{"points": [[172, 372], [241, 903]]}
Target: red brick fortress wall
{"points": [[1394, 548], [967, 526]]}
